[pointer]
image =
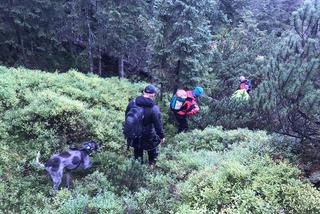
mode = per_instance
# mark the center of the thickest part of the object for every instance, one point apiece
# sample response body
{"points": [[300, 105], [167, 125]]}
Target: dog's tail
{"points": [[38, 163]]}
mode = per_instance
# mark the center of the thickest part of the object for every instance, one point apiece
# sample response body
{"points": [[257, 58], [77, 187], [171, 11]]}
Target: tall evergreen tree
{"points": [[107, 27], [235, 10], [126, 38], [289, 98], [274, 15], [244, 50], [182, 43], [28, 33]]}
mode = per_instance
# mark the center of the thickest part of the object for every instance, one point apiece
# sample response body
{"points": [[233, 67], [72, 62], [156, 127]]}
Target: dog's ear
{"points": [[90, 145], [86, 146], [99, 145], [96, 145]]}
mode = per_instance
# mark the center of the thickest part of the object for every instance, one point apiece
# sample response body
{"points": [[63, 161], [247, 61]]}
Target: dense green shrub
{"points": [[217, 139], [301, 198], [259, 186], [51, 110], [92, 194], [226, 112], [288, 99], [46, 112], [208, 171], [242, 179]]}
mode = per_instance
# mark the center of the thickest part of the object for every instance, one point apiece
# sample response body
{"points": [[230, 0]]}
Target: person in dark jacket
{"points": [[153, 133]]}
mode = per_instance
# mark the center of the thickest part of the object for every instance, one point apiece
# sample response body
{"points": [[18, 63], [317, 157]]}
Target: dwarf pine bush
{"points": [[260, 186], [202, 171], [49, 108]]}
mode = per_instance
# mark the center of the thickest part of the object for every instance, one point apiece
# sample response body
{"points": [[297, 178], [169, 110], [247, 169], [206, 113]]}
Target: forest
{"points": [[68, 69]]}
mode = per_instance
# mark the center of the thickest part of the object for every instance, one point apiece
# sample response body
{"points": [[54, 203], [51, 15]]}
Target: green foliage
{"points": [[208, 171], [274, 15], [181, 43], [92, 194], [228, 113], [187, 41], [288, 99], [216, 139], [190, 152], [242, 51], [182, 39], [29, 35], [239, 186], [68, 108], [301, 198], [45, 113]]}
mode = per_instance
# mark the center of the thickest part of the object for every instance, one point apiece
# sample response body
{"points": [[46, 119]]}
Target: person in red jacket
{"points": [[189, 108], [245, 84]]}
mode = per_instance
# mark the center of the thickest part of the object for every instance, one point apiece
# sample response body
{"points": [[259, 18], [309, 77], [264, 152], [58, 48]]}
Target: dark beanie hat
{"points": [[150, 89]]}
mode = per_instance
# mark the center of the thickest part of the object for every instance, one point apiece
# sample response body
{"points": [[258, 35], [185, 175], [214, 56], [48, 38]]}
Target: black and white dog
{"points": [[70, 160]]}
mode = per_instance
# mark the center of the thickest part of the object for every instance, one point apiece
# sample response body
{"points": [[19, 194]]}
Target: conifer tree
{"points": [[243, 51], [274, 15], [125, 35], [235, 10], [182, 45], [106, 27], [28, 33], [289, 98]]}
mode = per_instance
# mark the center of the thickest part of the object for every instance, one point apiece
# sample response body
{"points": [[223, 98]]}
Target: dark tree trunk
{"points": [[161, 91], [100, 63], [90, 57], [24, 57], [177, 74], [121, 67]]}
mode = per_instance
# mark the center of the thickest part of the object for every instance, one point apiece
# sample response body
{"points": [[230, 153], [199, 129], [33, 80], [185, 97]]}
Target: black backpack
{"points": [[133, 125]]}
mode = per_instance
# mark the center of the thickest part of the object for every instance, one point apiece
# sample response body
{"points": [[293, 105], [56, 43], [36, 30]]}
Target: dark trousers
{"points": [[152, 155], [182, 122]]}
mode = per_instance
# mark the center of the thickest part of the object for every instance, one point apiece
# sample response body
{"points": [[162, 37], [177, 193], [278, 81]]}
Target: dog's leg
{"points": [[68, 179], [56, 179], [86, 162]]}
